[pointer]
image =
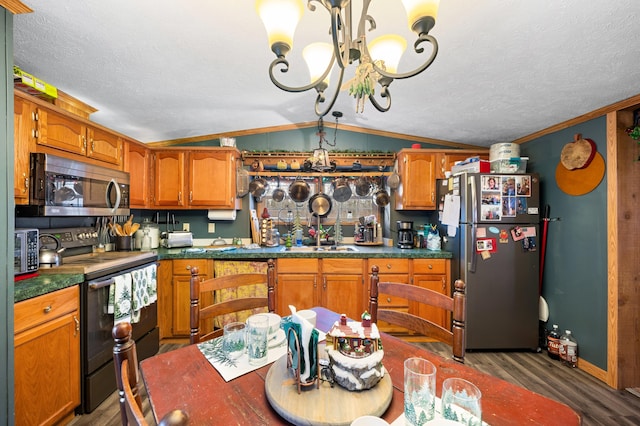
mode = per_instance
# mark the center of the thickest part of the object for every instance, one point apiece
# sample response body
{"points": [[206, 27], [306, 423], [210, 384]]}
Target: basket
{"points": [[228, 142]]}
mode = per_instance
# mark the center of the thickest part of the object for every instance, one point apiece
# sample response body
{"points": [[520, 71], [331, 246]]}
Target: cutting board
{"points": [[255, 227], [581, 181], [326, 405]]}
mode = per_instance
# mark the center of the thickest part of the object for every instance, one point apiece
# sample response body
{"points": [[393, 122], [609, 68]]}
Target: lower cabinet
{"points": [[433, 274], [174, 299], [297, 284], [47, 358], [394, 270]]}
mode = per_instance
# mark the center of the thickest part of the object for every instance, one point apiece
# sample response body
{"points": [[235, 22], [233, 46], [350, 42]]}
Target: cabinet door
{"points": [[299, 290], [417, 175], [104, 146], [138, 165], [437, 283], [61, 132], [47, 371], [181, 320], [169, 181], [24, 141], [448, 160], [344, 294], [212, 180]]}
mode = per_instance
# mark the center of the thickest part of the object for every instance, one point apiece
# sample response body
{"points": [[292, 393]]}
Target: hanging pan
{"points": [[341, 190], [278, 193], [299, 191], [320, 205], [381, 197]]}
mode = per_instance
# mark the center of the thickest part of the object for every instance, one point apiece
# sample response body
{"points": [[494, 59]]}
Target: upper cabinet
{"points": [[138, 164], [417, 190], [60, 131], [24, 139], [196, 178]]}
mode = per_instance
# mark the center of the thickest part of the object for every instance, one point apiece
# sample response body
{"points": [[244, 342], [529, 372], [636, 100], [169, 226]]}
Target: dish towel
{"points": [[120, 298], [152, 283], [139, 296]]}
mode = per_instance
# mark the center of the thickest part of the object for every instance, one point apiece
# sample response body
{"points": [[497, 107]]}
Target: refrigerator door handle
{"points": [[474, 222]]}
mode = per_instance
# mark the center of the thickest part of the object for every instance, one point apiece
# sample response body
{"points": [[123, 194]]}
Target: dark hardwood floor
{"points": [[596, 402]]}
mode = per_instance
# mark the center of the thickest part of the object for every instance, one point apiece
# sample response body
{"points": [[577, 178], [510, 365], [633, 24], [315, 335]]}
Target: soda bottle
{"points": [[568, 349], [553, 343]]}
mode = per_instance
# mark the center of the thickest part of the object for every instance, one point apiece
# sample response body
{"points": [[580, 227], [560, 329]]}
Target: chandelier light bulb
{"points": [[318, 56], [280, 19], [388, 48], [421, 14]]}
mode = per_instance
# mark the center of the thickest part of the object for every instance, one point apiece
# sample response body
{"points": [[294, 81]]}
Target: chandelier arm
{"points": [[282, 61], [322, 113], [383, 94], [344, 44], [423, 38]]}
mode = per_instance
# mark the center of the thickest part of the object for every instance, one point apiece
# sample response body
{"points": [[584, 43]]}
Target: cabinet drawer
{"points": [[285, 266], [430, 266], [182, 266], [389, 266], [47, 307], [387, 301], [342, 266]]}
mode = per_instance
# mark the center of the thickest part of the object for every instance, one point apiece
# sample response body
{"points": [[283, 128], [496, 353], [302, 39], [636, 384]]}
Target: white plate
{"points": [[277, 339]]}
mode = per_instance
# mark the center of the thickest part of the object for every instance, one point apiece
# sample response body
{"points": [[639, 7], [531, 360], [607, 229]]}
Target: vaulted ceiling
{"points": [[160, 70]]}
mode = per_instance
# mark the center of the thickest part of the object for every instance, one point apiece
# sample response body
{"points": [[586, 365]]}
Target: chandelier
{"points": [[377, 61]]}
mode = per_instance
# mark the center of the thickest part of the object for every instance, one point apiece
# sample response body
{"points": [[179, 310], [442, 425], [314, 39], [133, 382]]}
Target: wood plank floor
{"points": [[596, 402]]}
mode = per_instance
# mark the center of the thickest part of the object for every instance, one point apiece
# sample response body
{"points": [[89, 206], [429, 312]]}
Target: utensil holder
{"points": [[123, 243]]}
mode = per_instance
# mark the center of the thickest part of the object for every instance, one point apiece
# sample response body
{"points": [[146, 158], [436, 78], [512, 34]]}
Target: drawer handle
{"points": [[388, 266], [388, 300], [430, 266], [47, 309], [77, 329]]}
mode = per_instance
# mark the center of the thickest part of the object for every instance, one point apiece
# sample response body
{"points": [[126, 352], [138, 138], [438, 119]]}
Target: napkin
{"points": [[122, 298], [152, 283]]}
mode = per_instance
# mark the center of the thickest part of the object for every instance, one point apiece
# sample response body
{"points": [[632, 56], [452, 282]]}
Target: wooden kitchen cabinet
{"points": [[433, 274], [138, 164], [417, 170], [448, 159], [343, 289], [198, 178], [393, 270], [24, 142], [181, 281], [47, 358], [66, 133], [297, 284]]}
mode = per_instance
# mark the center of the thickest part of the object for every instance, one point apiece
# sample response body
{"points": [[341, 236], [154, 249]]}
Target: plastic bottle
{"points": [[569, 349], [298, 237], [553, 343]]}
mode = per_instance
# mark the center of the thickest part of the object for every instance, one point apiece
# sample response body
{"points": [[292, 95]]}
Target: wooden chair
{"points": [[419, 295], [125, 359], [201, 292]]}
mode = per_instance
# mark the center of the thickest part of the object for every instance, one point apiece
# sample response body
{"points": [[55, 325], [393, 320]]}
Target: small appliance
{"points": [[405, 234], [25, 252]]}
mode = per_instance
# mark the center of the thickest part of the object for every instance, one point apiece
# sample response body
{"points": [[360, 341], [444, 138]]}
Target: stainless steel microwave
{"points": [[63, 187], [25, 251]]}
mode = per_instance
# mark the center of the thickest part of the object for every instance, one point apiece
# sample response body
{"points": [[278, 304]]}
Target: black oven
{"points": [[96, 324], [63, 187]]}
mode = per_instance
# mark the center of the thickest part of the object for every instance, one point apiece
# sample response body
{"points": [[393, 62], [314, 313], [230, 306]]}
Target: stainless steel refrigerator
{"points": [[496, 253]]}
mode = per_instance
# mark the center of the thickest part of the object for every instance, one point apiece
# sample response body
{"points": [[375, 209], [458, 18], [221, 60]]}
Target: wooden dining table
{"points": [[184, 379]]}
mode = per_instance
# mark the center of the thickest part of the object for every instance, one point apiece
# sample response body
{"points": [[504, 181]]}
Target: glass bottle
{"points": [[146, 241], [553, 342], [569, 349]]}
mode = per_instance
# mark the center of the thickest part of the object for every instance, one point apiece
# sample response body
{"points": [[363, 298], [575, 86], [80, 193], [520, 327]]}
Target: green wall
{"points": [[575, 270], [6, 223]]}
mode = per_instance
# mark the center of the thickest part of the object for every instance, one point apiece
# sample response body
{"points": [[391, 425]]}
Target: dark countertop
{"points": [[43, 284], [229, 252]]}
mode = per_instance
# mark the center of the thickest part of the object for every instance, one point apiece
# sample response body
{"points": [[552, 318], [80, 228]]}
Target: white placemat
{"points": [[230, 369]]}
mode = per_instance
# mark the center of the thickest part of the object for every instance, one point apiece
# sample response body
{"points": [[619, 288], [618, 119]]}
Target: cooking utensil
{"points": [[579, 153], [341, 190], [363, 186], [320, 205], [581, 181], [242, 182], [258, 187], [394, 180], [50, 257], [381, 198], [278, 193], [299, 191]]}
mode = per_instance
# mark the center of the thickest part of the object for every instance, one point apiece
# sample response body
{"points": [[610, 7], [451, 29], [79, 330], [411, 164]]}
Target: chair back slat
{"points": [[456, 305], [203, 306]]}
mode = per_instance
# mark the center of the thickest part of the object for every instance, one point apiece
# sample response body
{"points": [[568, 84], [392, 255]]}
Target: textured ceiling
{"points": [[161, 70]]}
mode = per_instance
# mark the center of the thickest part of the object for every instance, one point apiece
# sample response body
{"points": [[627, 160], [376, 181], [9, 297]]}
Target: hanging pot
{"points": [[258, 187], [381, 197], [363, 186], [320, 205], [299, 191], [278, 193], [341, 190]]}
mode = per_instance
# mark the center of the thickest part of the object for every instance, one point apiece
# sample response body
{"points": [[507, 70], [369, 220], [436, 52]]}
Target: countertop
{"points": [[49, 281]]}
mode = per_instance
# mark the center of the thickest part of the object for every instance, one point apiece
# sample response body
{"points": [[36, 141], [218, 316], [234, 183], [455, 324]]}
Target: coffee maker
{"points": [[405, 234]]}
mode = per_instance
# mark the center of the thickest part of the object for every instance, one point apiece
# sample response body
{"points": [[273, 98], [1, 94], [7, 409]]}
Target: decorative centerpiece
{"points": [[356, 353]]}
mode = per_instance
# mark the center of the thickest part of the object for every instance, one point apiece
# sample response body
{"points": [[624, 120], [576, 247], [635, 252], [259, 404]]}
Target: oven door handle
{"points": [[94, 285]]}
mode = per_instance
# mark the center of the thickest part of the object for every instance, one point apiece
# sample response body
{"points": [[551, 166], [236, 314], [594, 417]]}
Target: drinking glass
{"points": [[461, 402], [419, 391], [258, 329], [234, 339]]}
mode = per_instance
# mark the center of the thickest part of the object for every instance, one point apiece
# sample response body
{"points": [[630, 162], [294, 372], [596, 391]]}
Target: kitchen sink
{"points": [[321, 248]]}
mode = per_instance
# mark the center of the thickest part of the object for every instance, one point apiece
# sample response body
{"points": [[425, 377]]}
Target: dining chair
{"points": [[204, 306], [418, 295], [125, 359]]}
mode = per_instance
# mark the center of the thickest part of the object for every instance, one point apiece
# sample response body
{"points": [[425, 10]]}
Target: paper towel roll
{"points": [[222, 215]]}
